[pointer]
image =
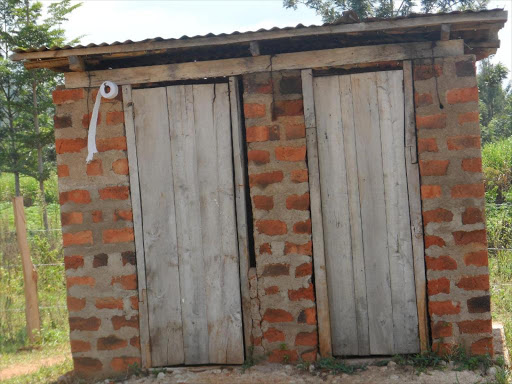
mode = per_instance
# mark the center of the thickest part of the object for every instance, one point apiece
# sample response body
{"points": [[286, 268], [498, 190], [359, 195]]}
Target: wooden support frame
{"points": [[285, 61]]}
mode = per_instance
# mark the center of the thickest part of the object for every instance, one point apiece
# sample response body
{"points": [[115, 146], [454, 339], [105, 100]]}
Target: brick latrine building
{"points": [[287, 193]]}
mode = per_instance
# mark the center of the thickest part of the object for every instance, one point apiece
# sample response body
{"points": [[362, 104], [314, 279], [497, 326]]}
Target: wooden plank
{"points": [[349, 141], [76, 63], [383, 25], [60, 62], [445, 32], [413, 183], [254, 48], [299, 60], [391, 113], [241, 208], [189, 228], [159, 225], [322, 298], [335, 210], [137, 226], [33, 325], [373, 212]]}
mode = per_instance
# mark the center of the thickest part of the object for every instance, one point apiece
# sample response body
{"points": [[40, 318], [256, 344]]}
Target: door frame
{"points": [[413, 184], [239, 182]]}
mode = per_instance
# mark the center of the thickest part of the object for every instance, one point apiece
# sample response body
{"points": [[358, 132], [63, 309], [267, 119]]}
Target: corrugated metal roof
{"points": [[185, 37]]}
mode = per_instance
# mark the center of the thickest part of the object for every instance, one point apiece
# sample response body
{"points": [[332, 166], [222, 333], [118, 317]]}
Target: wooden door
{"points": [[365, 210], [185, 170]]}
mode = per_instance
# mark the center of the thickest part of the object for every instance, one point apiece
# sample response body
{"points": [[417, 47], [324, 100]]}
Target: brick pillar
{"points": [[279, 190], [446, 98], [97, 235]]}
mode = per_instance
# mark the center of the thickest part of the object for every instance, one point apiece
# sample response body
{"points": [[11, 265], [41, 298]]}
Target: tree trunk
{"points": [[17, 183]]}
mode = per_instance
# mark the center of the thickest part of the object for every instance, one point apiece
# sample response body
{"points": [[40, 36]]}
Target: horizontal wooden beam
{"points": [[60, 62], [416, 23], [298, 60]]}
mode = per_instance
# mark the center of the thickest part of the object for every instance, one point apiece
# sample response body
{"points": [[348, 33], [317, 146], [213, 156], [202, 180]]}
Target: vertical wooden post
{"points": [[29, 273]]}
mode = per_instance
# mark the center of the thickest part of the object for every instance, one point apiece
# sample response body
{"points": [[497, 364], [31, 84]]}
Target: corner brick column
{"points": [[452, 189], [282, 289], [97, 235]]}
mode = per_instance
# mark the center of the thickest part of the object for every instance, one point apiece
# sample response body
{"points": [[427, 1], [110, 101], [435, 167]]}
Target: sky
{"points": [[98, 21]]}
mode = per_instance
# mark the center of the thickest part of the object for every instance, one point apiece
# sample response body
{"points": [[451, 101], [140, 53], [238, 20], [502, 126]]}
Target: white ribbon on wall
{"points": [[91, 139]]}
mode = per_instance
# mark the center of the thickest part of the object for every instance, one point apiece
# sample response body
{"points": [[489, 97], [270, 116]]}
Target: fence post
{"points": [[29, 273]]}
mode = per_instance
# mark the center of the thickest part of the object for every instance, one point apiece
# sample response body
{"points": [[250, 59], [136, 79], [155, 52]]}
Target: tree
{"points": [[332, 10]]}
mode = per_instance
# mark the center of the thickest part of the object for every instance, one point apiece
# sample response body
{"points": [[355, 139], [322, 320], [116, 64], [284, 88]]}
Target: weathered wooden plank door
{"points": [[185, 163], [365, 210]]}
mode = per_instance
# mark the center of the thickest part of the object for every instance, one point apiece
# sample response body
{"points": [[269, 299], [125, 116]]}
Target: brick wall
{"points": [[283, 300], [97, 235], [446, 98]]}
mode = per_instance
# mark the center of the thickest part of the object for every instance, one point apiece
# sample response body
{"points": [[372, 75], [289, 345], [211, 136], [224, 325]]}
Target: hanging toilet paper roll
{"points": [[91, 139]]}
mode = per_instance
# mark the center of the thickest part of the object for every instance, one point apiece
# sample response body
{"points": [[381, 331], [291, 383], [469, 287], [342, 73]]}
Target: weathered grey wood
{"points": [[373, 212], [137, 225], [241, 208], [299, 60], [391, 113], [254, 48], [159, 225], [349, 141], [383, 25], [322, 298], [76, 63], [413, 183], [335, 210]]}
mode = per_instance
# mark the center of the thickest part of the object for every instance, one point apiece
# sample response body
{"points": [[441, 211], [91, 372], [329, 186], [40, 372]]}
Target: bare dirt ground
{"points": [[30, 367]]}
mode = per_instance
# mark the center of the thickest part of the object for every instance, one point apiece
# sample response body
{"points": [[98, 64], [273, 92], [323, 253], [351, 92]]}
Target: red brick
{"points": [[441, 263], [441, 308], [422, 99], [309, 356], [80, 346], [439, 215], [462, 95], [474, 283], [128, 282], [78, 196], [266, 178], [468, 237], [86, 119], [441, 329], [271, 227], [307, 316], [478, 258], [300, 249], [442, 349], [277, 316], [256, 341], [302, 227], [73, 262], [298, 202], [258, 157], [257, 134], [289, 108], [265, 203], [111, 144], [265, 248], [427, 145], [135, 342], [437, 286], [472, 164], [62, 171], [128, 257], [299, 176], [468, 191], [431, 122], [482, 347], [120, 167], [425, 72], [121, 235], [119, 322], [109, 303], [110, 343], [468, 117], [124, 215], [114, 193], [80, 280], [272, 335], [123, 363], [84, 324], [302, 293], [64, 96], [433, 240], [274, 270], [69, 145], [252, 110], [77, 238], [114, 118], [434, 167], [472, 215], [305, 269], [475, 326], [134, 302], [63, 121], [70, 218], [480, 304], [272, 290], [309, 339], [75, 304], [291, 153], [295, 131], [282, 356], [97, 216], [100, 260], [86, 365], [430, 191], [94, 168], [456, 143]]}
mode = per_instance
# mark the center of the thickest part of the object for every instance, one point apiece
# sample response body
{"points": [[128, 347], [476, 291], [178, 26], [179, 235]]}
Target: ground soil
{"points": [[28, 367]]}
